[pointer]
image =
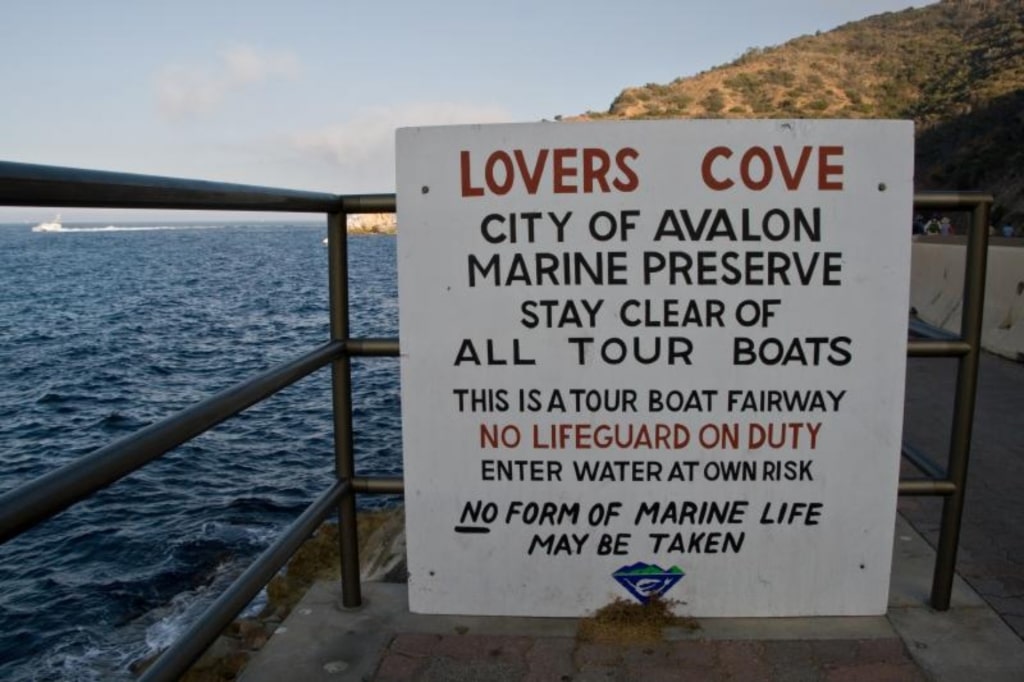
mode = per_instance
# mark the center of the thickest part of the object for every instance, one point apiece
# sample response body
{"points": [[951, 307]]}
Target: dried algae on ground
{"points": [[626, 622]]}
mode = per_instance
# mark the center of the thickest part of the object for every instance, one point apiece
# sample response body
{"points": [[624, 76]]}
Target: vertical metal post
{"points": [[963, 406], [341, 380]]}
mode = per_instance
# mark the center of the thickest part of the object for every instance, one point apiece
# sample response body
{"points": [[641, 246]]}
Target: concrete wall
{"points": [[936, 288]]}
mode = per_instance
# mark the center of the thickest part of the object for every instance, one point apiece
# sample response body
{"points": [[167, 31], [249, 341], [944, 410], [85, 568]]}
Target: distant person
{"points": [[945, 226], [1007, 230], [918, 225], [932, 227]]}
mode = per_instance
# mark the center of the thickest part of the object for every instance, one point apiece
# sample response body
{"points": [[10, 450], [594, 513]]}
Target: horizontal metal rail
{"points": [[368, 203], [23, 184], [938, 349], [191, 645], [394, 485], [963, 201], [372, 347], [38, 500], [926, 486]]}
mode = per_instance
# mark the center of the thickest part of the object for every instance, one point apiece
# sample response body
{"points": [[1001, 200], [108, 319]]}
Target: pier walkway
{"points": [[991, 556], [979, 638]]}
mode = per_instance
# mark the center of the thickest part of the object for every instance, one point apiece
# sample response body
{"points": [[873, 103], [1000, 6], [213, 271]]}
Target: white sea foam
{"points": [[74, 663], [167, 623]]}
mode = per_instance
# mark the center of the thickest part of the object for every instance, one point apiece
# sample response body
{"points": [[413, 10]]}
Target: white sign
{"points": [[653, 358]]}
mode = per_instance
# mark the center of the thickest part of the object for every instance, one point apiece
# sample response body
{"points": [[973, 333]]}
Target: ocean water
{"points": [[105, 329]]}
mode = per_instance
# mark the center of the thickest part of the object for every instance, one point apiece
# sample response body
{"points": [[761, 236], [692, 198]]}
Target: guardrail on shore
{"points": [[38, 500], [950, 480]]}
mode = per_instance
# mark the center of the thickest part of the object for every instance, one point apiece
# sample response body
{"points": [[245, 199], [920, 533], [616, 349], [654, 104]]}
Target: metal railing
{"points": [[42, 498], [38, 500], [950, 481]]}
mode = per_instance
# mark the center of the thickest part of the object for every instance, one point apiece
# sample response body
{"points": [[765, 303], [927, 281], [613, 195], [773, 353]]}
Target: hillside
{"points": [[956, 68]]}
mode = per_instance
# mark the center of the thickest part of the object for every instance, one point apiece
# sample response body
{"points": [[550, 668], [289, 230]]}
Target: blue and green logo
{"points": [[646, 581]]}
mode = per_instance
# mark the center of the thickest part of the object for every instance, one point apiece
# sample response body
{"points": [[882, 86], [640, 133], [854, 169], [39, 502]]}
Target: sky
{"points": [[307, 94]]}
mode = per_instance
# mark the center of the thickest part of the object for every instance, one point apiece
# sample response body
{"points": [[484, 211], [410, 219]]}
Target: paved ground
{"points": [[991, 556], [979, 638], [467, 657], [383, 641]]}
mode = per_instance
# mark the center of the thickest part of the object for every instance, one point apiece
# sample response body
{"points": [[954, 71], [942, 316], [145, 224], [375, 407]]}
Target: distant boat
{"points": [[52, 226]]}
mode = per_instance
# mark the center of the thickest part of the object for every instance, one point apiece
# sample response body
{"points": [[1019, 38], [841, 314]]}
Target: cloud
{"points": [[362, 149], [244, 65], [185, 91]]}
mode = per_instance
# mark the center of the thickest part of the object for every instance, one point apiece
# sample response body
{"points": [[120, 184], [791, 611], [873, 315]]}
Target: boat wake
{"points": [[52, 226], [57, 227]]}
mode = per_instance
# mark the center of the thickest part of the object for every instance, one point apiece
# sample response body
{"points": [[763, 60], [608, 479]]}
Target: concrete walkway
{"points": [[991, 555], [979, 639], [383, 641]]}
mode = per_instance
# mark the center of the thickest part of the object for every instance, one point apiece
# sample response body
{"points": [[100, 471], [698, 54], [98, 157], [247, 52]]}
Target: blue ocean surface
{"points": [[106, 329]]}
